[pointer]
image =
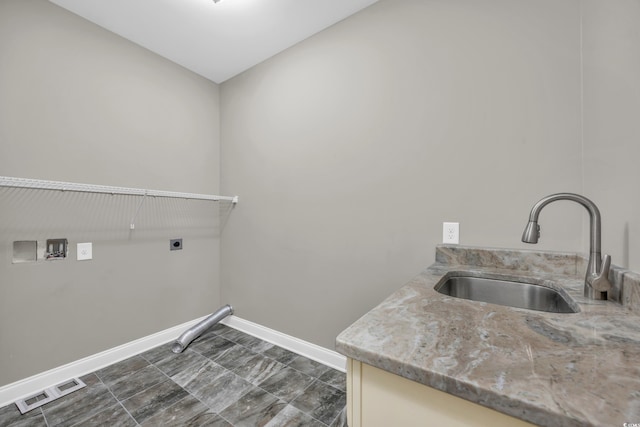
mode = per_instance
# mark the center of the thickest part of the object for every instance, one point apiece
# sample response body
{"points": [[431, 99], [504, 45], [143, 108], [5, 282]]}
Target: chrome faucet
{"points": [[596, 283]]}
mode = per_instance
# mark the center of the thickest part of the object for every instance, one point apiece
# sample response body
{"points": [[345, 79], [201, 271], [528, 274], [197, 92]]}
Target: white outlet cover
{"points": [[451, 232], [85, 251]]}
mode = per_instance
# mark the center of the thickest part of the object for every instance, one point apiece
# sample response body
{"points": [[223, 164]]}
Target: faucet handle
{"points": [[600, 280], [606, 264]]}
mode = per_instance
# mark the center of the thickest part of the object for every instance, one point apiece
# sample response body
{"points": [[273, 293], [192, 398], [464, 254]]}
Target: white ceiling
{"points": [[215, 40]]}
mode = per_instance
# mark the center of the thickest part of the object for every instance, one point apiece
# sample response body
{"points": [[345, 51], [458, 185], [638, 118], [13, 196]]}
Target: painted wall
{"points": [[351, 148], [348, 151], [612, 122], [81, 104]]}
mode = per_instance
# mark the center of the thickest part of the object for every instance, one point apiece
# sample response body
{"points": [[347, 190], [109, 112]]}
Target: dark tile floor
{"points": [[224, 378]]}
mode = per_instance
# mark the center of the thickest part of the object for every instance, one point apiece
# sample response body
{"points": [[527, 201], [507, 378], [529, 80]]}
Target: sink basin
{"points": [[506, 292]]}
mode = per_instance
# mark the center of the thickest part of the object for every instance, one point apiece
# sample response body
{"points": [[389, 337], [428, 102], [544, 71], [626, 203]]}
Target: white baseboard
{"points": [[28, 386], [304, 348]]}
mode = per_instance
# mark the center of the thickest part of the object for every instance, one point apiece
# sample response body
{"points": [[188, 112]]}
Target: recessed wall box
{"points": [[175, 244], [25, 251], [56, 249]]}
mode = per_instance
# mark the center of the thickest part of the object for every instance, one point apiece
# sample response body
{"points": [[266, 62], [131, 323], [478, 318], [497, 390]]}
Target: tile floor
{"points": [[224, 378]]}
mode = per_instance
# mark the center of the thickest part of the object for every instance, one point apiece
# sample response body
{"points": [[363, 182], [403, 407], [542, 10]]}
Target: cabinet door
{"points": [[377, 398]]}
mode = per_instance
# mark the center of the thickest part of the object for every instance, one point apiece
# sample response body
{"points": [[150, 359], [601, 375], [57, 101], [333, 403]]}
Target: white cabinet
{"points": [[377, 398]]}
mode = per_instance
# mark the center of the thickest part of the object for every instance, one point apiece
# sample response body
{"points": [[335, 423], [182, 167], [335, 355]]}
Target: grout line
{"points": [[144, 389], [44, 417], [188, 392], [305, 389], [221, 334], [81, 422], [148, 361], [337, 417], [314, 378], [117, 400], [114, 396]]}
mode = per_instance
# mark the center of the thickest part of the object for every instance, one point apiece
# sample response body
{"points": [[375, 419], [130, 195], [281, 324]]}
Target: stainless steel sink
{"points": [[506, 292]]}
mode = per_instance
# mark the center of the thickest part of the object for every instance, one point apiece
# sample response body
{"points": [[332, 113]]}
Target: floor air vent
{"points": [[49, 395]]}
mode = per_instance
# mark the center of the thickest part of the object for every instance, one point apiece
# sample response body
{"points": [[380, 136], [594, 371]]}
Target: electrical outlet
{"points": [[175, 244], [85, 251], [451, 232]]}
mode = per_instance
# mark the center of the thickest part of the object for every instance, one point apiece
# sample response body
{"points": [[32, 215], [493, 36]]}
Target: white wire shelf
{"points": [[7, 181], [38, 184]]}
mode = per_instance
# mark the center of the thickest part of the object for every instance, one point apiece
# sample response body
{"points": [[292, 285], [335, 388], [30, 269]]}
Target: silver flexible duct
{"points": [[195, 331]]}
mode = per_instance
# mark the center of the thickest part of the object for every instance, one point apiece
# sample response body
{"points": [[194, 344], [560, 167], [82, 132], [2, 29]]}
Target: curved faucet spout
{"points": [[597, 277]]}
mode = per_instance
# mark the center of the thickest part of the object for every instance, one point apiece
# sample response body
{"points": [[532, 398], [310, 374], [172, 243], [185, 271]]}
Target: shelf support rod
{"points": [[132, 225]]}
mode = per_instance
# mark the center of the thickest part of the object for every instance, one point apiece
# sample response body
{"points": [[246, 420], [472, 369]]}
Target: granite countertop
{"points": [[550, 369]]}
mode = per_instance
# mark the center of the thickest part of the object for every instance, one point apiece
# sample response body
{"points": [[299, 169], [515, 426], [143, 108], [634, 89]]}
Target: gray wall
{"points": [[348, 150], [80, 104], [612, 122], [351, 148]]}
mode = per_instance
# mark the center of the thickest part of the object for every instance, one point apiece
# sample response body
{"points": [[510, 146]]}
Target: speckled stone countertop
{"points": [[578, 369]]}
